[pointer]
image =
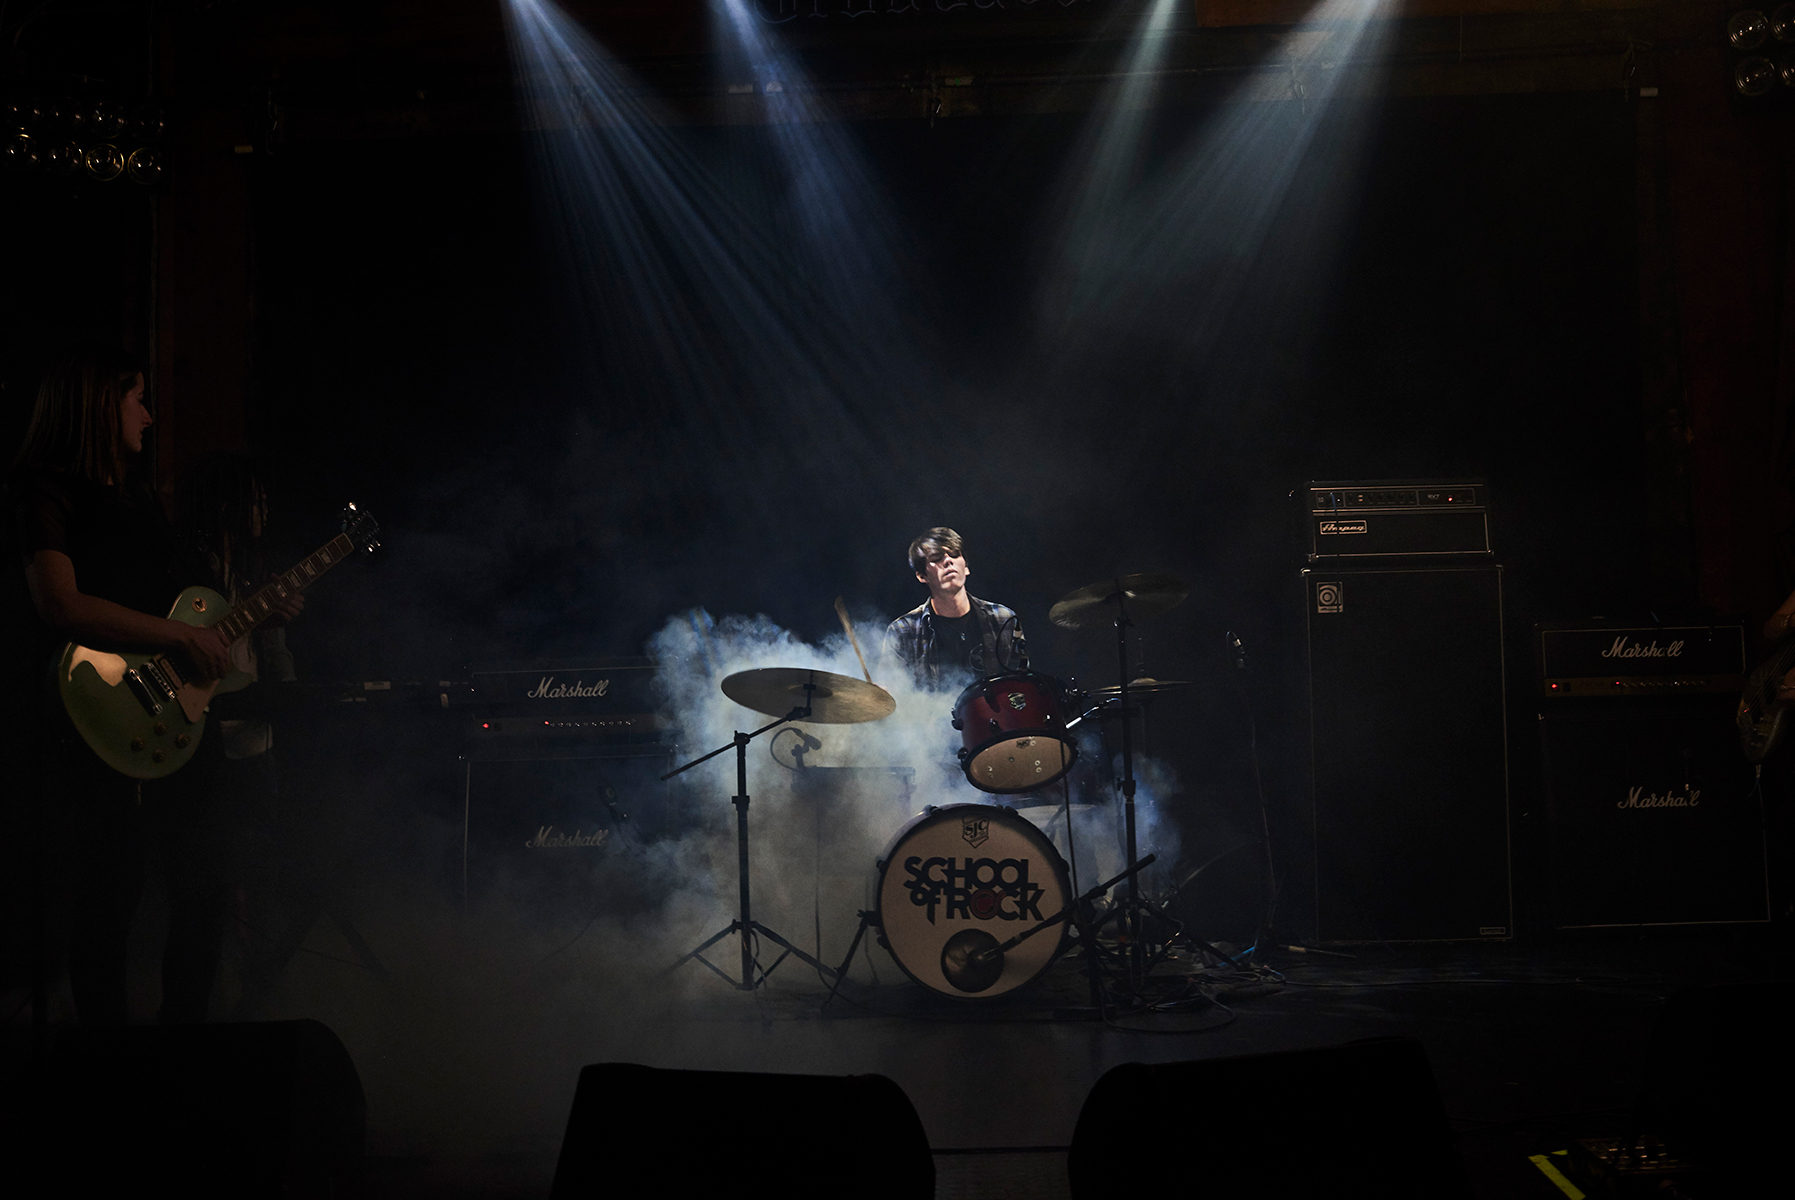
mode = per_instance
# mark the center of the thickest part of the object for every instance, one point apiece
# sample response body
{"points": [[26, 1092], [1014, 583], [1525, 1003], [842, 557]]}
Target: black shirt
{"points": [[959, 643], [121, 544]]}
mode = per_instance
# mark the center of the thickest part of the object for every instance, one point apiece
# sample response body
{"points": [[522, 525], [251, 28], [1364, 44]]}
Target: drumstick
{"points": [[841, 610]]}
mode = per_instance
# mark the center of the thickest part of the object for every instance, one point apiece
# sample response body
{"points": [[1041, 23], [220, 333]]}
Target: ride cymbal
{"points": [[835, 699], [1145, 687], [1145, 595]]}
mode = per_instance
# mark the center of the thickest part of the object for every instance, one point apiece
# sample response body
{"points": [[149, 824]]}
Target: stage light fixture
{"points": [[104, 162], [18, 152], [144, 166], [105, 121], [1747, 29], [1782, 23], [65, 117], [1754, 76], [61, 158], [146, 124], [24, 115]]}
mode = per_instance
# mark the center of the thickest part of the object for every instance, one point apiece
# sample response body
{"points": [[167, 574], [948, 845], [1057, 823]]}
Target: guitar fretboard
{"points": [[259, 607]]}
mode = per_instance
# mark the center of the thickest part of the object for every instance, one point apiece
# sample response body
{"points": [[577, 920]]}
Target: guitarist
{"points": [[102, 562]]}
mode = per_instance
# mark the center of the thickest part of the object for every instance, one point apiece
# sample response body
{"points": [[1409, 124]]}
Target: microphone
{"points": [[810, 743]]}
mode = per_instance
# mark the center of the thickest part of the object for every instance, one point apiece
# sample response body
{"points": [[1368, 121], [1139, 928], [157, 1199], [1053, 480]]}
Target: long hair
{"points": [[76, 424], [215, 507]]}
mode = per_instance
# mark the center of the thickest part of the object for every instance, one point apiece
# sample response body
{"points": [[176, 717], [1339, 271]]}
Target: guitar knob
{"points": [[160, 729], [136, 743], [159, 756], [181, 741]]}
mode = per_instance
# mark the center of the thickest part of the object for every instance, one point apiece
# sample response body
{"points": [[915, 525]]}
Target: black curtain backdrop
{"points": [[1454, 297]]}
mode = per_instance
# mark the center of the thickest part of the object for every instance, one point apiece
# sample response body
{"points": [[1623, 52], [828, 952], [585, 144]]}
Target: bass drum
{"points": [[960, 880]]}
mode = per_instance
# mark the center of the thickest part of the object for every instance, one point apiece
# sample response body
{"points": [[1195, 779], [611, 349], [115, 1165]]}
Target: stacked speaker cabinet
{"points": [[1408, 727], [1409, 749], [1654, 816]]}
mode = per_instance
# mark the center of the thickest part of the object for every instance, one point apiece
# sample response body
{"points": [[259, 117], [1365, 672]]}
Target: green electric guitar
{"points": [[137, 711]]}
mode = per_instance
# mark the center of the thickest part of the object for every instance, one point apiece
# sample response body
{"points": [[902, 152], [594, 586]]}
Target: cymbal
{"points": [[1145, 687], [1146, 596], [836, 700]]}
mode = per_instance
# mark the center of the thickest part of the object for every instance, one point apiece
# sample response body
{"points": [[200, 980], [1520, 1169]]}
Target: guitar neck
{"points": [[259, 607]]}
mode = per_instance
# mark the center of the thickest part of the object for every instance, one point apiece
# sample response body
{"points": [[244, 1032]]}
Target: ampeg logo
{"points": [[980, 888], [1337, 527], [1329, 598], [975, 830]]}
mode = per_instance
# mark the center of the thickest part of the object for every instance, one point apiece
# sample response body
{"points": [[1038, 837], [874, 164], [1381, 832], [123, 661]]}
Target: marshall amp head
{"points": [[1398, 519], [1613, 658], [606, 698]]}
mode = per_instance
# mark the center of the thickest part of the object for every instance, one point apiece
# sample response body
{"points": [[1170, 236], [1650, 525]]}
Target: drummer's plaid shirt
{"points": [[910, 638]]}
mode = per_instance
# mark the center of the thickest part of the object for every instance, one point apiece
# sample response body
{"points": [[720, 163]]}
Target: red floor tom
{"points": [[1013, 732]]}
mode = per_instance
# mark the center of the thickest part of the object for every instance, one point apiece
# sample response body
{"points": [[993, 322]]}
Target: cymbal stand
{"points": [[1132, 916], [745, 924]]}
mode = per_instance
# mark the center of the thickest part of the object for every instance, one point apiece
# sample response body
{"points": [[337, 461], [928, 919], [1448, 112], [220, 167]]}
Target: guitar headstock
{"points": [[362, 528]]}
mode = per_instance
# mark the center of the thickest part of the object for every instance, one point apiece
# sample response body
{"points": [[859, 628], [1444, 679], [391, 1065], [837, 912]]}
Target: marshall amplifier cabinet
{"points": [[1653, 815], [565, 834], [1600, 657], [1409, 753], [1398, 519], [604, 699]]}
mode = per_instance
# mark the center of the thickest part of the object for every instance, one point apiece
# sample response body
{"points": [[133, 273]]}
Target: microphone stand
{"points": [[745, 924]]}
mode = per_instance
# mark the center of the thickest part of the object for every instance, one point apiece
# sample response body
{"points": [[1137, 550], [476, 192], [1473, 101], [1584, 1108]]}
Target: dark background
{"points": [[1471, 283]]}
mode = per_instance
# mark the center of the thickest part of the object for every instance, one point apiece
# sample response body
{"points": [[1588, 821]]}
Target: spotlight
{"points": [[104, 162], [1747, 29], [24, 115], [65, 116], [1754, 76], [144, 166], [105, 121], [147, 123], [1782, 23], [18, 153], [61, 158]]}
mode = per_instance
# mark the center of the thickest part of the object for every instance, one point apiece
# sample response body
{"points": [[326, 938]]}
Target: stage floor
{"points": [[1532, 1046]]}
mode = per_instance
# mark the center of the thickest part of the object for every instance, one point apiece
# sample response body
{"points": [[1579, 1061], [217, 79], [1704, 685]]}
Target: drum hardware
{"points": [[1088, 607], [828, 699]]}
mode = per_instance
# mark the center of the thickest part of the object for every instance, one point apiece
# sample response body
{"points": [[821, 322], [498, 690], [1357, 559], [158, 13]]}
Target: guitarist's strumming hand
{"points": [[205, 650]]}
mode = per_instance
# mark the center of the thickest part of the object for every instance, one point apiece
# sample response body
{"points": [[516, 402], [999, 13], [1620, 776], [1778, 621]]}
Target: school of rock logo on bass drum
{"points": [[973, 888]]}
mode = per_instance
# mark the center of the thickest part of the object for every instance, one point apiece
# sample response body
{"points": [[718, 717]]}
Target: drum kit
{"points": [[973, 900]]}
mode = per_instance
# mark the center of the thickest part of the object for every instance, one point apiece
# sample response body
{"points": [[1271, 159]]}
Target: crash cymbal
{"points": [[1145, 687], [1146, 596], [836, 700]]}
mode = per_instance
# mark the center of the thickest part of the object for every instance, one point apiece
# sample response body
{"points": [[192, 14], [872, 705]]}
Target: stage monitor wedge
{"points": [[636, 1130]]}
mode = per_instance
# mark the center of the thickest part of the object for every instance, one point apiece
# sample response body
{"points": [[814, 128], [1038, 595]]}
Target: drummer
{"points": [[953, 634]]}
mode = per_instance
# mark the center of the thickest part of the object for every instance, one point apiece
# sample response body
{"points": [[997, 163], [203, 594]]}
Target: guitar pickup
{"points": [[152, 685], [139, 688]]}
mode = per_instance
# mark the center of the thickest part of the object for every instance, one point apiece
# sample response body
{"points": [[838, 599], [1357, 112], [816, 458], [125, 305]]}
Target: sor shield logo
{"points": [[975, 830], [1329, 598]]}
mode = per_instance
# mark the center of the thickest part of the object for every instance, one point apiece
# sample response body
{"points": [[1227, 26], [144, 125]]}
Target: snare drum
{"points": [[960, 880], [1013, 732]]}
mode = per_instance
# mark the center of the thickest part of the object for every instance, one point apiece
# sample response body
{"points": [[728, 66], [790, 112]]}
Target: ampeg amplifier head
{"points": [[1398, 518]]}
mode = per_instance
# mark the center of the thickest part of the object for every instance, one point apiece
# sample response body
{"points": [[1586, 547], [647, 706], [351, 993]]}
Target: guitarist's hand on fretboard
{"points": [[289, 607]]}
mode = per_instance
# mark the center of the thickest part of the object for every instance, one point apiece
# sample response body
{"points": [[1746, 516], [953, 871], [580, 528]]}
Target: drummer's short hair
{"points": [[940, 541]]}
